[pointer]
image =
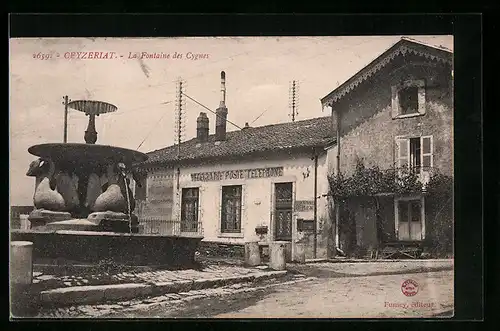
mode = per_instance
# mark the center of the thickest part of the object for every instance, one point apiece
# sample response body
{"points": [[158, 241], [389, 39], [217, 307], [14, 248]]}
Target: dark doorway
{"points": [[283, 211]]}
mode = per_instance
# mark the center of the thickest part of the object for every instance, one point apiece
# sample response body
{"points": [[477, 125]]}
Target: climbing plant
{"points": [[370, 181], [373, 181]]}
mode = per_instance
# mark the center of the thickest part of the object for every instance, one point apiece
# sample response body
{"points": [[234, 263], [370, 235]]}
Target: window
{"points": [[415, 153], [189, 210], [410, 220], [231, 209], [408, 99]]}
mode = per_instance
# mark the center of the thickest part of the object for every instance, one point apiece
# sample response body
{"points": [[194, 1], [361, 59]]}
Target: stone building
{"points": [[396, 112]]}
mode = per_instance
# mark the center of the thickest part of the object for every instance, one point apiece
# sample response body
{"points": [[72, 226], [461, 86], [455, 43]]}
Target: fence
{"points": [[162, 227]]}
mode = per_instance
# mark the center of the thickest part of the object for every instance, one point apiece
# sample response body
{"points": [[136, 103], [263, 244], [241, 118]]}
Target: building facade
{"points": [[396, 113], [261, 184]]}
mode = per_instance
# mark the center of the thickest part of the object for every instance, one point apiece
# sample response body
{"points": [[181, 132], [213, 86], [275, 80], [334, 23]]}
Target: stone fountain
{"points": [[84, 186], [84, 205]]}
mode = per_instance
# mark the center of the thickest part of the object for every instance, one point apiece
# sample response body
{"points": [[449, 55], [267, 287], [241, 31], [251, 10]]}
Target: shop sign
{"points": [[304, 205], [237, 174]]}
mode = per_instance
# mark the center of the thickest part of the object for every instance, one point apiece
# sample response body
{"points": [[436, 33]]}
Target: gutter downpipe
{"points": [[315, 203], [337, 206]]}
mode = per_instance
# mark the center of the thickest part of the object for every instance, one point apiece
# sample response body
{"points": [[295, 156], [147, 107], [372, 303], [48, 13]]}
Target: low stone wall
{"points": [[123, 249], [214, 249]]}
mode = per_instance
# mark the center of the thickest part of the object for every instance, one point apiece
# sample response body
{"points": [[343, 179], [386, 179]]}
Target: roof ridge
{"points": [[375, 65], [276, 136], [416, 41], [245, 130], [283, 123]]}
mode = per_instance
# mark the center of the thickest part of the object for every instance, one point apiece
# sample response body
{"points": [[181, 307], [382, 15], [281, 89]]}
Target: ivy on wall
{"points": [[372, 181]]}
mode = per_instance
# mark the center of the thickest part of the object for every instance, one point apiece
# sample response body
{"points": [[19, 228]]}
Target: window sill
{"points": [[230, 235], [408, 116]]}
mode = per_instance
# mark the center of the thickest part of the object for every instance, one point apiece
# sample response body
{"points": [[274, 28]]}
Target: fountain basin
{"points": [[87, 155], [93, 247], [80, 169]]}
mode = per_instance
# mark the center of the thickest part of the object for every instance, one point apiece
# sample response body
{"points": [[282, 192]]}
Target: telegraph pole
{"points": [[179, 133], [65, 103], [294, 103], [179, 115]]}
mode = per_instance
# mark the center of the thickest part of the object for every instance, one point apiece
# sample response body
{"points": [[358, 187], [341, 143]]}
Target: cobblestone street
{"points": [[168, 305], [323, 290], [44, 281]]}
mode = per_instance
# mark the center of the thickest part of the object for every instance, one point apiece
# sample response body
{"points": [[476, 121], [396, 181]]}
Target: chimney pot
{"points": [[221, 112], [202, 127]]}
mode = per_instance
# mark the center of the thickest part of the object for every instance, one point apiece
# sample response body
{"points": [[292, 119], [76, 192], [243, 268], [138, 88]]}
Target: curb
{"points": [[79, 295], [346, 260]]}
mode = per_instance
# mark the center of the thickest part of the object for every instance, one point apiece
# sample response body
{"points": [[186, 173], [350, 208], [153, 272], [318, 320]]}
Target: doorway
{"points": [[410, 220], [283, 211]]}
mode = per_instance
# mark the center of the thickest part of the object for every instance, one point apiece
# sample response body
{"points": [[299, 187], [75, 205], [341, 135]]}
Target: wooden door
{"points": [[283, 211], [410, 220]]}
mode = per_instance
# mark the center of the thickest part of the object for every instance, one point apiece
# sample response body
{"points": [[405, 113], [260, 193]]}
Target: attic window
{"points": [[408, 99]]}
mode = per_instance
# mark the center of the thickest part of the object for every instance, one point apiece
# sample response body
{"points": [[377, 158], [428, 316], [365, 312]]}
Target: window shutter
{"points": [[402, 151], [427, 152], [395, 101], [421, 97], [426, 157]]}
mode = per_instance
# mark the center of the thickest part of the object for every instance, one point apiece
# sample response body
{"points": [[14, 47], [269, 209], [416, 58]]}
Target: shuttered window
{"points": [[416, 153]]}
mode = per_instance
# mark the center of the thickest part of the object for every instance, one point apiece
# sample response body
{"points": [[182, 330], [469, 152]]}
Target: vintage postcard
{"points": [[232, 177]]}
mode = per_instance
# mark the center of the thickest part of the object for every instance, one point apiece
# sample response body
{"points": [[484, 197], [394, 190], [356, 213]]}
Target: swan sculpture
{"points": [[46, 195], [112, 199]]}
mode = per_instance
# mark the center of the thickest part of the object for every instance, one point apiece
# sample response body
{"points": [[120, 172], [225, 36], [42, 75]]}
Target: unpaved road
{"points": [[345, 297], [357, 297]]}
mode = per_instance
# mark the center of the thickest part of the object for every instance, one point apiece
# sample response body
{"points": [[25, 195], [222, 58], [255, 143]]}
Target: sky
{"points": [[259, 71]]}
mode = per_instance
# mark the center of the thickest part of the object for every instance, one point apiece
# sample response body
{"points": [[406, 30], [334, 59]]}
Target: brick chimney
{"points": [[221, 112], [202, 126]]}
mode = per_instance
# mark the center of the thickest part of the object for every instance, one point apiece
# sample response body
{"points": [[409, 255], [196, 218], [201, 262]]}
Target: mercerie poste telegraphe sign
{"points": [[237, 174]]}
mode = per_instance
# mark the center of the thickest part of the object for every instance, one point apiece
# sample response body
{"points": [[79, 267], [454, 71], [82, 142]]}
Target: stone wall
{"points": [[369, 131], [123, 249]]}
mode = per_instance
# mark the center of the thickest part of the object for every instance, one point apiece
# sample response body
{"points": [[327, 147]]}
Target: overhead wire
{"points": [[210, 110], [150, 131], [133, 110]]}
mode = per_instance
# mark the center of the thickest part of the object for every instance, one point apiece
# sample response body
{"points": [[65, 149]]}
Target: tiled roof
{"points": [[316, 132], [402, 47]]}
